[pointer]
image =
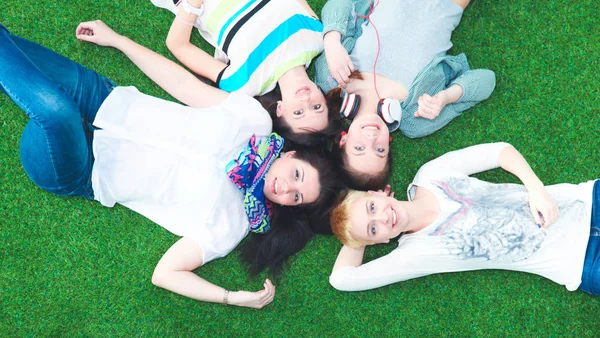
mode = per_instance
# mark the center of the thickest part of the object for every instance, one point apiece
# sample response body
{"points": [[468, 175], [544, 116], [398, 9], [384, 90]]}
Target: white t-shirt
{"points": [[167, 162], [482, 226]]}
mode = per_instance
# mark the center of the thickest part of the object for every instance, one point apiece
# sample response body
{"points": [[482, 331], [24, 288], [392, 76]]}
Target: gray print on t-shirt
{"points": [[492, 221]]}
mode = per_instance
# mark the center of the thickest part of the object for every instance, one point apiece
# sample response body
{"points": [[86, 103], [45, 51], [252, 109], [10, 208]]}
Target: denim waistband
{"points": [[595, 221]]}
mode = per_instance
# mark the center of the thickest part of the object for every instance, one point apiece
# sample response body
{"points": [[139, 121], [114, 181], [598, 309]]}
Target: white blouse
{"points": [[167, 162]]}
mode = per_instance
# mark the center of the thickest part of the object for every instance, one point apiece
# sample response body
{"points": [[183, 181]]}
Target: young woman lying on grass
{"points": [[258, 45], [210, 172], [453, 222], [402, 55]]}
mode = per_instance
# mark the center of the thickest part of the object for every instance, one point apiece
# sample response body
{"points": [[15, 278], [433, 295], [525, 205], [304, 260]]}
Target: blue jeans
{"points": [[61, 98], [590, 278]]}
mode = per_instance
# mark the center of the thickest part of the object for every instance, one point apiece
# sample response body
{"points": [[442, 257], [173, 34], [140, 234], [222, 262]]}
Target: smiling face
{"points": [[375, 218], [303, 108], [367, 144], [291, 181]]}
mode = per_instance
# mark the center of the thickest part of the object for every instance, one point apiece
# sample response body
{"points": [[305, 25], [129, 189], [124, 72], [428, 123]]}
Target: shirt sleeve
{"points": [[398, 265], [338, 15], [466, 161]]}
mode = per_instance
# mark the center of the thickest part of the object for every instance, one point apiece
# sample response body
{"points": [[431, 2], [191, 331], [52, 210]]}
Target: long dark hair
{"points": [[293, 226], [281, 127]]}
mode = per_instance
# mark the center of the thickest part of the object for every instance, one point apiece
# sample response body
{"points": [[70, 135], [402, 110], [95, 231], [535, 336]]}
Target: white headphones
{"points": [[389, 110]]}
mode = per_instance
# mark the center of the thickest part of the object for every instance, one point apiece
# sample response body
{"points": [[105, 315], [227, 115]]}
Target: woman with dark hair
{"points": [[407, 81], [210, 172], [270, 102], [361, 168], [259, 45], [453, 222], [295, 226]]}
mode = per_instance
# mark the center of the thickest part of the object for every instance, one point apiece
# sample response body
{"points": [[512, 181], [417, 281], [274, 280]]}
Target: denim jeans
{"points": [[61, 98], [590, 278]]}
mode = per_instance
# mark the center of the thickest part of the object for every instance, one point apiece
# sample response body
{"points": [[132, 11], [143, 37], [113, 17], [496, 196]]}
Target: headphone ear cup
{"points": [[355, 107], [390, 112], [350, 105], [380, 110]]}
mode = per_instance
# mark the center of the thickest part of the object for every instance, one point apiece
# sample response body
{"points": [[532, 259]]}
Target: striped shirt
{"points": [[260, 40]]}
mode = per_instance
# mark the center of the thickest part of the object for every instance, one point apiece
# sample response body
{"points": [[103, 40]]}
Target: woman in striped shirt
{"points": [[259, 44]]}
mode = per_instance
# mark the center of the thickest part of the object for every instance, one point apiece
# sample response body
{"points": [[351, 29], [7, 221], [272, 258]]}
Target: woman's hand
{"points": [[387, 192], [256, 300], [543, 207], [97, 32], [338, 60], [430, 106]]}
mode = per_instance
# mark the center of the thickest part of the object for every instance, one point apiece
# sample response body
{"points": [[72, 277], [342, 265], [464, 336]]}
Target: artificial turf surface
{"points": [[70, 267]]}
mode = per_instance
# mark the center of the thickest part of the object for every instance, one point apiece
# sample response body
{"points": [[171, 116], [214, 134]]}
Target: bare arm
{"points": [[511, 160], [462, 3], [338, 61], [173, 78], [178, 42], [307, 7], [338, 20], [543, 207], [175, 272]]}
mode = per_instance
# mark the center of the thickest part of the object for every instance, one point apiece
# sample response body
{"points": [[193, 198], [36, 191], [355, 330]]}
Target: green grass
{"points": [[70, 267]]}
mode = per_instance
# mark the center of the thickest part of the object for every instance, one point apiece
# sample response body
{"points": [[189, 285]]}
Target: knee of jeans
{"points": [[52, 111], [36, 158], [61, 177], [54, 103]]}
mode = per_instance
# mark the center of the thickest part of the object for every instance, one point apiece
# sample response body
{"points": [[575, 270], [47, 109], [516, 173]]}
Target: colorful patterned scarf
{"points": [[247, 171]]}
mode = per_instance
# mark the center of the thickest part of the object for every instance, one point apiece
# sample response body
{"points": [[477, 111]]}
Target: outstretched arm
{"points": [[175, 272], [173, 78], [178, 42]]}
